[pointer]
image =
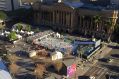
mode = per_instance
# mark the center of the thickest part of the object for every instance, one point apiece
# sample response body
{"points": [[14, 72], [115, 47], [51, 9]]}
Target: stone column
{"points": [[63, 18], [80, 26], [72, 24], [66, 19], [58, 17], [70, 19]]}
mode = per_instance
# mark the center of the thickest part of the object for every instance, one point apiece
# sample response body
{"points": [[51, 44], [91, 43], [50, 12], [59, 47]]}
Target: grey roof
{"points": [[53, 53], [69, 62], [74, 4], [29, 1], [92, 7]]}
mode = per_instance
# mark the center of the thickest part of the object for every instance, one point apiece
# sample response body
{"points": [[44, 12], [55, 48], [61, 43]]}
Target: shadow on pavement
{"points": [[23, 54], [113, 47], [26, 65], [112, 68], [25, 76], [115, 55]]}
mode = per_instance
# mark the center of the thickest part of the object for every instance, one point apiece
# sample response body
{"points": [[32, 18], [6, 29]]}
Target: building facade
{"points": [[10, 5], [76, 17], [56, 55]]}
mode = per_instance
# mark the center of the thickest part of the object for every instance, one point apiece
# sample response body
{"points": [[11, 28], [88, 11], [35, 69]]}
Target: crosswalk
{"points": [[97, 72]]}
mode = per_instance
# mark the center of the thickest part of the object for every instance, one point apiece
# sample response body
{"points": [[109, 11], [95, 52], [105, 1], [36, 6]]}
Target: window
{"points": [[93, 0]]}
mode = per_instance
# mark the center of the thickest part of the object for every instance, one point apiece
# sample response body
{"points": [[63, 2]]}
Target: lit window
{"points": [[93, 0]]}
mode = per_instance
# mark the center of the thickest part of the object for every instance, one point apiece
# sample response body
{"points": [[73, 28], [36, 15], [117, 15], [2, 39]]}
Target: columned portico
{"points": [[65, 18]]}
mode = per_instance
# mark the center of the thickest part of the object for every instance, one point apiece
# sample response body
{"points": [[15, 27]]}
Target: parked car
{"points": [[113, 77], [86, 77], [92, 77], [108, 60]]}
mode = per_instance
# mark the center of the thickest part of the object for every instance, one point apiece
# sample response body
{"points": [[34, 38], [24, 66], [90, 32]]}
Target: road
{"points": [[97, 72], [100, 69], [113, 67]]}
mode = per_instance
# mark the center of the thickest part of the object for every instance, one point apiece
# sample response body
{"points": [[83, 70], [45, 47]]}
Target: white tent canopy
{"points": [[4, 74]]}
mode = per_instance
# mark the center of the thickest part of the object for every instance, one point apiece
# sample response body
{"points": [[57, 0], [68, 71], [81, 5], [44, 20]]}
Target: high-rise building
{"points": [[8, 5], [115, 3]]}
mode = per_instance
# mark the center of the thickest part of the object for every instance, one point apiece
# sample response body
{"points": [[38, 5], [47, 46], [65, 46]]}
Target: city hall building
{"points": [[82, 18]]}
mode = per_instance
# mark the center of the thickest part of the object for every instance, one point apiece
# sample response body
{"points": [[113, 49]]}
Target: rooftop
{"points": [[69, 62], [74, 4]]}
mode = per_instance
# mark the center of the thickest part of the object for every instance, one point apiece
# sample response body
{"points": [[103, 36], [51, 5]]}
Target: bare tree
{"points": [[12, 58], [39, 71], [13, 68], [58, 65], [42, 53], [68, 52]]}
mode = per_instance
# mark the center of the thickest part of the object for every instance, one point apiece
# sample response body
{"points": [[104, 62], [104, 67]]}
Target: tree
{"points": [[13, 68], [12, 58], [39, 70], [97, 20], [116, 32], [3, 50], [36, 30], [109, 24], [28, 28], [110, 28], [42, 53], [3, 15], [80, 52], [58, 65], [2, 26], [19, 27], [12, 36]]}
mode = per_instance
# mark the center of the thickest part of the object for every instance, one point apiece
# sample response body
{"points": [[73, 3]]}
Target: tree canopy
{"points": [[58, 65], [97, 18], [12, 36], [39, 70], [28, 28], [2, 50], [3, 15], [19, 27]]}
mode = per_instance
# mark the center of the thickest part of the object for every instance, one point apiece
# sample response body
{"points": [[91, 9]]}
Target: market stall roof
{"points": [[69, 62]]}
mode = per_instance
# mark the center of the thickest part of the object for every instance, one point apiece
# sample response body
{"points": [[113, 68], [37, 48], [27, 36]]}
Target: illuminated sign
{"points": [[71, 70]]}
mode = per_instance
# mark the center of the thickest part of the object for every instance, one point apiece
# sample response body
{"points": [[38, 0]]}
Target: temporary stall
{"points": [[32, 53], [56, 55], [69, 67]]}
